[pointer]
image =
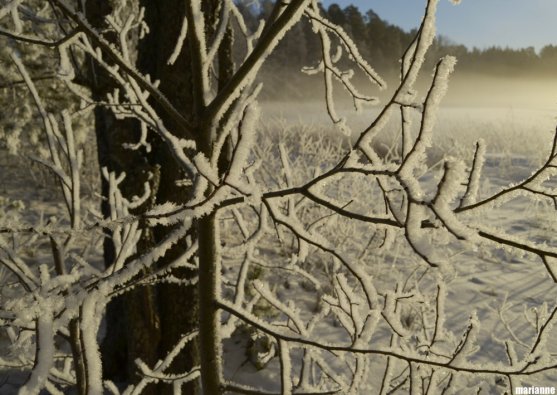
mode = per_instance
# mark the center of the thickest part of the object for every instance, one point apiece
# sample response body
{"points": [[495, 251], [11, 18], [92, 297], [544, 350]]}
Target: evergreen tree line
{"points": [[383, 44]]}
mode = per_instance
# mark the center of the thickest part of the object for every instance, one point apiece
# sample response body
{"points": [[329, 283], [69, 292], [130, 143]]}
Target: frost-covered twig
{"points": [[94, 36], [536, 177], [445, 363]]}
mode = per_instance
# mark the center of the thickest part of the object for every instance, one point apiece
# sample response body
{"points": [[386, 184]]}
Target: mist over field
{"points": [[526, 92], [514, 114]]}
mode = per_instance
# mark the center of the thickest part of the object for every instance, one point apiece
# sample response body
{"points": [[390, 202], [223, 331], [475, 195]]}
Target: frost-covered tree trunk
{"points": [[167, 311], [176, 304], [172, 310], [181, 309], [133, 328]]}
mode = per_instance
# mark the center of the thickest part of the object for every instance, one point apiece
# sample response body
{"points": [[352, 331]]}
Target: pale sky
{"points": [[479, 23]]}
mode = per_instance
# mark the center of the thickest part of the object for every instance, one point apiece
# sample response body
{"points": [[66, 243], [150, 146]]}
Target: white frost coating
{"points": [[289, 309], [368, 329], [241, 282], [468, 344], [179, 43], [286, 368], [419, 237], [247, 140], [342, 316], [313, 70], [543, 247], [446, 194], [288, 174], [126, 231], [328, 70], [392, 315], [221, 31], [18, 266], [142, 139], [299, 7], [90, 318], [406, 125], [139, 200], [408, 57], [239, 121], [352, 311], [161, 214], [437, 92], [12, 9], [445, 198], [75, 161], [337, 56], [425, 39], [9, 8], [351, 47], [350, 301], [157, 373], [168, 377], [440, 308], [544, 336], [511, 352], [361, 365], [250, 38], [219, 195], [128, 246], [111, 387], [473, 187], [343, 300], [323, 28], [552, 266], [365, 145], [417, 155], [54, 137], [65, 70], [303, 251], [206, 169], [44, 358], [389, 238], [416, 215], [175, 144], [436, 379]]}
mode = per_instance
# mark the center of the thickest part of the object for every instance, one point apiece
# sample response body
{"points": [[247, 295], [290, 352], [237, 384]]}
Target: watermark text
{"points": [[534, 390]]}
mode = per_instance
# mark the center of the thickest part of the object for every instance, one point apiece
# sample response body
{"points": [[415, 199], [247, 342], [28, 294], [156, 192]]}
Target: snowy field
{"points": [[508, 292]]}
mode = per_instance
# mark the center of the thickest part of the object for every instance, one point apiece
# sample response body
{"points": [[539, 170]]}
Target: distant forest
{"points": [[382, 44]]}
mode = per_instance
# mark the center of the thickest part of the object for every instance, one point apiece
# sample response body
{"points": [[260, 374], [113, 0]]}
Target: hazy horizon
{"points": [[474, 23]]}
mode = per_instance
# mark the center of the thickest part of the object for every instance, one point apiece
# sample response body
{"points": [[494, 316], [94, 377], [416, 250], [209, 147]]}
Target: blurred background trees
{"points": [[383, 44]]}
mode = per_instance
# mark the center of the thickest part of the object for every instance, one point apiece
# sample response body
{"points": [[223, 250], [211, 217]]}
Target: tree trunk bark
{"points": [[157, 317], [132, 322], [209, 288], [177, 303]]}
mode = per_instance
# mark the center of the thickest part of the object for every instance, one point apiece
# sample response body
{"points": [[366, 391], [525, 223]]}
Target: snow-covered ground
{"points": [[509, 291], [504, 288]]}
